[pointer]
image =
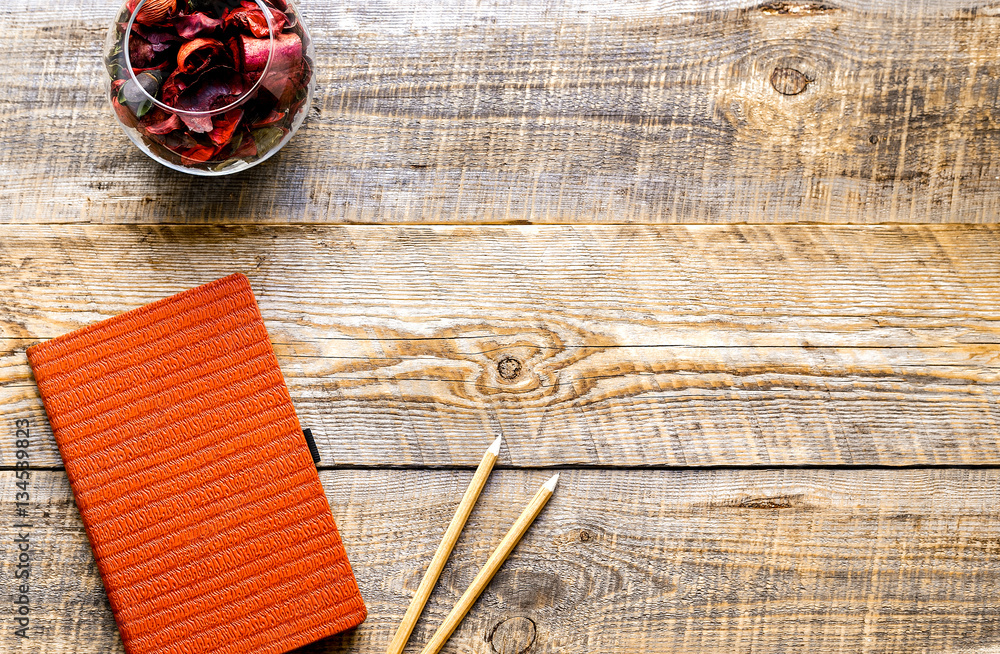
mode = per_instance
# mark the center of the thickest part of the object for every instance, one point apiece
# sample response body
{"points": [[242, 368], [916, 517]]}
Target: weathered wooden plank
{"points": [[620, 561], [679, 346], [555, 111]]}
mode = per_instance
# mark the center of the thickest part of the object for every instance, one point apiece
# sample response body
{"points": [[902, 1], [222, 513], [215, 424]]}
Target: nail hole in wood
{"points": [[789, 81], [508, 368], [513, 636]]}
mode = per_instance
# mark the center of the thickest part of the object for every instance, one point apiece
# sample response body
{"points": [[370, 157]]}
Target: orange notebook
{"points": [[200, 498]]}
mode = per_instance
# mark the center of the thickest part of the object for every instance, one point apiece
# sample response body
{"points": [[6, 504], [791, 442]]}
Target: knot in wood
{"points": [[788, 81], [584, 536], [508, 368], [513, 636], [795, 8]]}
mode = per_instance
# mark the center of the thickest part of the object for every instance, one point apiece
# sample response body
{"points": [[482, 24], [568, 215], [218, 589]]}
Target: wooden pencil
{"points": [[493, 564], [444, 549]]}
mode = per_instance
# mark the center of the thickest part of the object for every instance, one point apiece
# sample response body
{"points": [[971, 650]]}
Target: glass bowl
{"points": [[209, 87]]}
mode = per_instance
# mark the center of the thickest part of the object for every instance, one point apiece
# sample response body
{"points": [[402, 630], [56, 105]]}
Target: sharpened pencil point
{"points": [[550, 485], [495, 447]]}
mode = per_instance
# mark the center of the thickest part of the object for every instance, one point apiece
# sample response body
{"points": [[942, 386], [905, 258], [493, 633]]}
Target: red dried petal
{"points": [[172, 88], [124, 113], [177, 141], [279, 20], [161, 67], [153, 12], [285, 83], [159, 41], [225, 125], [198, 54], [272, 118], [196, 24], [252, 21], [200, 154], [216, 88], [253, 55], [250, 18], [248, 146], [141, 52], [165, 126], [198, 123], [287, 52], [293, 110]]}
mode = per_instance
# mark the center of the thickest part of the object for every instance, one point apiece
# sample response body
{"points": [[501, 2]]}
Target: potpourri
{"points": [[207, 63]]}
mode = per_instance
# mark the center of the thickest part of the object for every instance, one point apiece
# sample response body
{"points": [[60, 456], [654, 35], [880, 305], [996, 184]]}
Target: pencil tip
{"points": [[550, 485], [495, 447]]}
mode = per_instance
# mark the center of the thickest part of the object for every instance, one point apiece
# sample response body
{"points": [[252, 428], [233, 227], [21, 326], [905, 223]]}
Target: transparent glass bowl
{"points": [[209, 87]]}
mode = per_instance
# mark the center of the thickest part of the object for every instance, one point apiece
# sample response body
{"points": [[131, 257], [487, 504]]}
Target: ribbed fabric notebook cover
{"points": [[195, 483]]}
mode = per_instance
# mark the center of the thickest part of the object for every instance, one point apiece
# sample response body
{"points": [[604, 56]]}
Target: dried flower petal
{"points": [[172, 88], [250, 18], [197, 55], [247, 146], [214, 89], [251, 54], [165, 126], [197, 24], [178, 141], [199, 154], [225, 125], [161, 68], [284, 83], [153, 12], [141, 52], [124, 113], [251, 21], [267, 138], [272, 118], [160, 39], [198, 123]]}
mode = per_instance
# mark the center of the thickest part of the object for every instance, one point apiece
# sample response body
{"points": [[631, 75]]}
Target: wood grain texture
{"points": [[687, 562], [623, 346], [556, 111]]}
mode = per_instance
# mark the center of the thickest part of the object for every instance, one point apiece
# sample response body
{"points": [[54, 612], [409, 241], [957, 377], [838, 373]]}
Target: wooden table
{"points": [[731, 267]]}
